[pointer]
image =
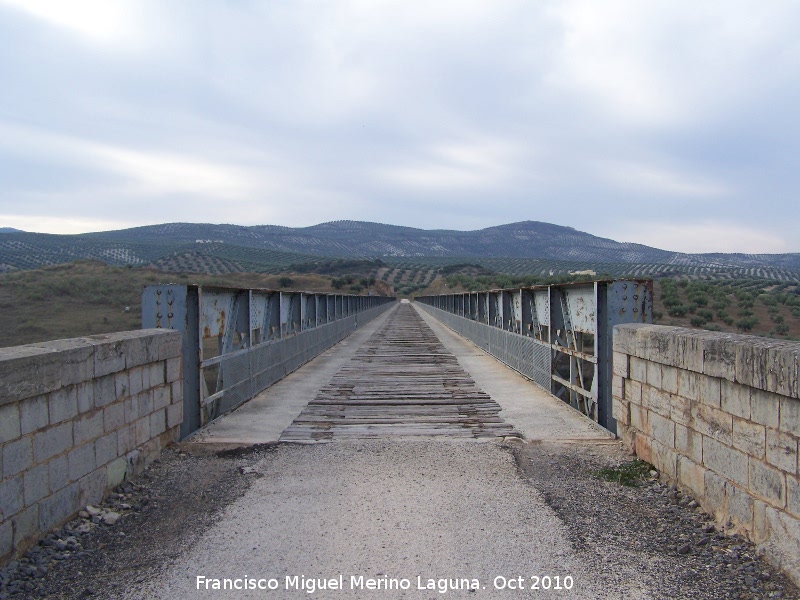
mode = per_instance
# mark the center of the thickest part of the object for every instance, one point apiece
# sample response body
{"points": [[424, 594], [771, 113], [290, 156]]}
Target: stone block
{"points": [[633, 391], [715, 491], [765, 408], [719, 357], [781, 369], [669, 379], [689, 351], [638, 369], [782, 450], [639, 418], [735, 399], [793, 495], [85, 393], [751, 363], [174, 372], [175, 415], [656, 400], [161, 397], [170, 344], [665, 459], [126, 440], [739, 505], [145, 403], [145, 377], [689, 443], [106, 449], [654, 374], [17, 456], [113, 417], [6, 538], [88, 427], [662, 429], [692, 475], [661, 345], [709, 391], [790, 415], [58, 471], [783, 546], [9, 422], [52, 442], [76, 356], [728, 462], [712, 422], [157, 374], [132, 409], [63, 404], [617, 386], [177, 392], [768, 483], [760, 526], [619, 410], [141, 430], [624, 339], [138, 350], [643, 448], [92, 487], [109, 354], [26, 526], [680, 410], [121, 385], [116, 471], [104, 391], [135, 380], [33, 414], [28, 371], [12, 496], [688, 384], [81, 461], [36, 482], [749, 437], [158, 422]]}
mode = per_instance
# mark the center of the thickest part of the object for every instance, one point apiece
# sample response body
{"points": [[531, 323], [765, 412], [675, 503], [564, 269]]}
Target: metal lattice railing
{"points": [[559, 336], [237, 342]]}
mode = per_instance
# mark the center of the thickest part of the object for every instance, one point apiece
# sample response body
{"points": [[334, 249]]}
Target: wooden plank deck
{"points": [[402, 382]]}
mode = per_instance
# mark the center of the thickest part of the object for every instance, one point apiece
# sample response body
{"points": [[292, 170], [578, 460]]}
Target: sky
{"points": [[672, 123]]}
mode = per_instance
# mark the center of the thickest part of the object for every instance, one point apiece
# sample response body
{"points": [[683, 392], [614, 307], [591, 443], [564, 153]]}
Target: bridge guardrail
{"points": [[239, 341], [559, 336]]}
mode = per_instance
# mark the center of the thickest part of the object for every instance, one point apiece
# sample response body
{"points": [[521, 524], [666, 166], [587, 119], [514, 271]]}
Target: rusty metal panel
{"points": [[580, 302]]}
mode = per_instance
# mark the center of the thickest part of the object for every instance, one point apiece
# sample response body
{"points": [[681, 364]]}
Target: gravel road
{"points": [[406, 509]]}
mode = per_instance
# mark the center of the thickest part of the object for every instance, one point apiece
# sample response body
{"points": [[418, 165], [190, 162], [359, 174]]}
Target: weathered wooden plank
{"points": [[401, 383]]}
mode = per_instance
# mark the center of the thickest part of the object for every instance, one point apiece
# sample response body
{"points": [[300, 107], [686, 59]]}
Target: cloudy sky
{"points": [[673, 123]]}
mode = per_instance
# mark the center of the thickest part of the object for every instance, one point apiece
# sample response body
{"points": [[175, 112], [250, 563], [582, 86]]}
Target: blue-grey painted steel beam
{"points": [[236, 341], [560, 335]]}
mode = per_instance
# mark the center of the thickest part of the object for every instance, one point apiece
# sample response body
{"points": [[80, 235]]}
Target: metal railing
{"points": [[559, 336], [237, 342]]}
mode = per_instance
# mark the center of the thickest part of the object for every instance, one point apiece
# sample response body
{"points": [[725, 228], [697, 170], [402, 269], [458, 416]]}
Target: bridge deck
{"points": [[403, 374], [401, 382]]}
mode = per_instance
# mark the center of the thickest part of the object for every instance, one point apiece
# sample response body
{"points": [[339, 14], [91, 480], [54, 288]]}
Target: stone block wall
{"points": [[718, 414], [77, 417]]}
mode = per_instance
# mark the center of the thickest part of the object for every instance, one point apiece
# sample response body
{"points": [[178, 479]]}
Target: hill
{"points": [[527, 246]]}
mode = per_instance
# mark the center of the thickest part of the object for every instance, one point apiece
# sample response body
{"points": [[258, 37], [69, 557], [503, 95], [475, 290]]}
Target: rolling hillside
{"points": [[516, 248]]}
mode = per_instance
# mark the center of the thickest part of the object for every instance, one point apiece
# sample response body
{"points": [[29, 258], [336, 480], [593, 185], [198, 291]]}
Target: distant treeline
{"points": [[501, 280], [335, 266]]}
